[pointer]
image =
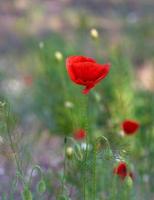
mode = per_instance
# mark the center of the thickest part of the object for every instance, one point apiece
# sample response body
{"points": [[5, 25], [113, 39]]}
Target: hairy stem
{"points": [[86, 152], [12, 145], [94, 170]]}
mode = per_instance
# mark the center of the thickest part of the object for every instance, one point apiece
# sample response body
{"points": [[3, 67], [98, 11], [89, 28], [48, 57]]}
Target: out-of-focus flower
{"points": [[2, 104], [1, 139], [130, 127], [69, 152], [28, 80], [58, 56], [122, 171], [94, 33], [80, 134], [85, 71], [41, 45], [68, 104]]}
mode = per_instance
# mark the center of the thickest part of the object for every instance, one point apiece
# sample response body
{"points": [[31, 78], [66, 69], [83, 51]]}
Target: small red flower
{"points": [[122, 171], [85, 71], [28, 80], [130, 127], [80, 134]]}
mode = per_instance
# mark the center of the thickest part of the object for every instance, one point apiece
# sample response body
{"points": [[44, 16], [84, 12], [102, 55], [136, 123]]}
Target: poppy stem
{"points": [[86, 152], [64, 167], [94, 170], [12, 145]]}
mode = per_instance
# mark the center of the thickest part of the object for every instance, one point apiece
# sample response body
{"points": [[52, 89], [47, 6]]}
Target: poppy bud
{"points": [[27, 195], [129, 182], [108, 154], [69, 152], [41, 186], [41, 45], [58, 56], [94, 33], [68, 104]]}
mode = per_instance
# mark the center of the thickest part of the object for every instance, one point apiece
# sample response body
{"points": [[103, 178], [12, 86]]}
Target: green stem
{"points": [[94, 170], [64, 169], [86, 152], [12, 144]]}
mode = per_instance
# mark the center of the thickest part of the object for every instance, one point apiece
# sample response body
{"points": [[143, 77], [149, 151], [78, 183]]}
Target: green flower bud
{"points": [[94, 33], [58, 56], [41, 186], [129, 182], [27, 195], [108, 154], [69, 152]]}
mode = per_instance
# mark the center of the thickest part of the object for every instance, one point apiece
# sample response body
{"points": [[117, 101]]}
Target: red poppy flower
{"points": [[80, 134], [28, 80], [130, 126], [122, 171], [85, 71]]}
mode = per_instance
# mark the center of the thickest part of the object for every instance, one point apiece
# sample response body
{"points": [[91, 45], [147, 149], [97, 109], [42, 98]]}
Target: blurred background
{"points": [[31, 32]]}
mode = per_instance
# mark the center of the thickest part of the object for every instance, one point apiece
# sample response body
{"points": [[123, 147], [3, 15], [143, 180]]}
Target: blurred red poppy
{"points": [[80, 134], [28, 79], [122, 171], [130, 127], [85, 71]]}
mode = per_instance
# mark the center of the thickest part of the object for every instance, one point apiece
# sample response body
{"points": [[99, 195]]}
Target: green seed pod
{"points": [[41, 186], [27, 195]]}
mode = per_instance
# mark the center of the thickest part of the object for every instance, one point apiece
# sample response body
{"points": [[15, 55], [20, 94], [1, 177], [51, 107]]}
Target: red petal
{"points": [[88, 71], [103, 72], [76, 59], [87, 88], [80, 134], [121, 170], [130, 126]]}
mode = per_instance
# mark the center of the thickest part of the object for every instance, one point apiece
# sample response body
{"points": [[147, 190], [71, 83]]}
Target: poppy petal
{"points": [[78, 59], [103, 72], [87, 88]]}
